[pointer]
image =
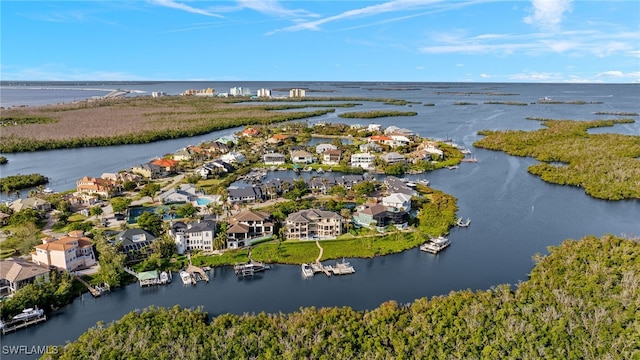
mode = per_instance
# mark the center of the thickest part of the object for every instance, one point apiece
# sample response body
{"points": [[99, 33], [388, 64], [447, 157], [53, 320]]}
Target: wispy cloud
{"points": [[548, 14], [274, 8], [387, 7], [581, 43], [59, 72], [184, 7]]}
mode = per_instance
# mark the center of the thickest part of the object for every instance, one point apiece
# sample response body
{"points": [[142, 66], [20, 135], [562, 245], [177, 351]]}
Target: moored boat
{"points": [[186, 277], [307, 271], [164, 278], [435, 245]]}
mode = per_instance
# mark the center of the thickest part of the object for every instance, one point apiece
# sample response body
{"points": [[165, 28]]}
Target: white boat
{"points": [[186, 277], [47, 191], [28, 314], [307, 271], [435, 245], [424, 182], [342, 268], [164, 278]]}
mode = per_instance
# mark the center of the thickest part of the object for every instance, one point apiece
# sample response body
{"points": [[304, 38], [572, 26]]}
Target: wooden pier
{"points": [[95, 292], [197, 273], [17, 325], [317, 266]]}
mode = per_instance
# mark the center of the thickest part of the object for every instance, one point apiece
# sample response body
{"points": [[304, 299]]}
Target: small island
{"points": [[376, 114]]}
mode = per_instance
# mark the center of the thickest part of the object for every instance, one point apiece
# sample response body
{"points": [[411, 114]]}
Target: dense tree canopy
{"points": [[605, 165], [580, 302]]}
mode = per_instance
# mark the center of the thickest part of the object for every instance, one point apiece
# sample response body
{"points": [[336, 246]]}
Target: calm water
{"points": [[514, 215]]}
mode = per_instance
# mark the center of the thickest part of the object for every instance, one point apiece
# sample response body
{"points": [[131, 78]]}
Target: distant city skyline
{"points": [[550, 41]]}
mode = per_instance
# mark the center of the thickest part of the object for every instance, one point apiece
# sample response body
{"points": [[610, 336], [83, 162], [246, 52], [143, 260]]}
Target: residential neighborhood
{"points": [[233, 193]]}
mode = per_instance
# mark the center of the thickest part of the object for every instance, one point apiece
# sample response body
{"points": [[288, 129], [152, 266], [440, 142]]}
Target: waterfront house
{"points": [[379, 217], [244, 194], [374, 127], [278, 139], [398, 200], [29, 203], [363, 160], [134, 242], [217, 148], [274, 158], [276, 186], [228, 139], [396, 185], [71, 252], [168, 166], [182, 155], [313, 224], [248, 226], [16, 273], [394, 130], [215, 167], [331, 157], [399, 140], [193, 235], [431, 148], [321, 148], [96, 186], [393, 158], [301, 157], [148, 171], [250, 132]]}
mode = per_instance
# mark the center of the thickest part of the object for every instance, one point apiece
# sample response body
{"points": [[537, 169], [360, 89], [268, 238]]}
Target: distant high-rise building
{"points": [[297, 93], [264, 93], [239, 91]]}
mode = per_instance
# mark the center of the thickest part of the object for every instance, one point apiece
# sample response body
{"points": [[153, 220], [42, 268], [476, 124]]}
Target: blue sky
{"points": [[317, 40]]}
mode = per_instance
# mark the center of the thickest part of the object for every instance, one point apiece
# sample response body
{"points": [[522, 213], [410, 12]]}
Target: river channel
{"points": [[514, 215]]}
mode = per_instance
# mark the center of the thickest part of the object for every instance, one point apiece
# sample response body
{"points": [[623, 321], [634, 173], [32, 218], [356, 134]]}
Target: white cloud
{"points": [[184, 7], [613, 73], [547, 14], [58, 72], [485, 76], [535, 76], [273, 8]]}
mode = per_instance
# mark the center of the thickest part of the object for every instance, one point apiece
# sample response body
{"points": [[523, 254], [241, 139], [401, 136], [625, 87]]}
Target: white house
{"points": [[233, 157], [398, 200], [400, 140], [193, 236], [321, 148], [363, 160], [301, 157]]}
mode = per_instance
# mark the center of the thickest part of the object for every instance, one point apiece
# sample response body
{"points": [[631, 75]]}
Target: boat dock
{"points": [[250, 268], [197, 273], [95, 292], [343, 268], [149, 278], [462, 223], [17, 325]]}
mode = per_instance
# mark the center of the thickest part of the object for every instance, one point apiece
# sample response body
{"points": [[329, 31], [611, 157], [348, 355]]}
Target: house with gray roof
{"points": [[193, 236], [313, 224], [134, 240], [393, 158], [247, 227], [244, 194]]}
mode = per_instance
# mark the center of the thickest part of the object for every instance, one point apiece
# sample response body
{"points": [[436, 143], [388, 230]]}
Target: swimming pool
{"points": [[202, 201]]}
